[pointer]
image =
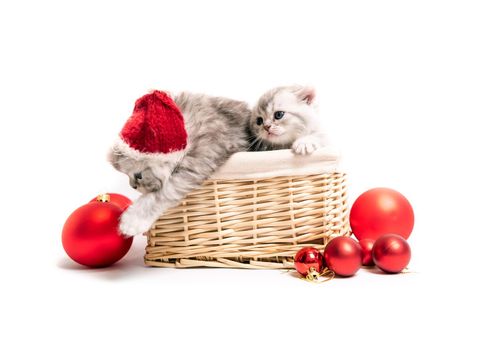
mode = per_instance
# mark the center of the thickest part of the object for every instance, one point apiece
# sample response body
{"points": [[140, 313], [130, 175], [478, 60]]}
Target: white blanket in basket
{"points": [[256, 165]]}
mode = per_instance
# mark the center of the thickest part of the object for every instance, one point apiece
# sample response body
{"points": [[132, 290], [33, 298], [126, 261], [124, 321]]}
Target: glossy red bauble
{"points": [[117, 199], [90, 235], [343, 256], [307, 258], [366, 248], [381, 211], [391, 253]]}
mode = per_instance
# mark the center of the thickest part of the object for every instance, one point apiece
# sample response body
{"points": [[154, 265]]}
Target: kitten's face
{"points": [[144, 176], [282, 115]]}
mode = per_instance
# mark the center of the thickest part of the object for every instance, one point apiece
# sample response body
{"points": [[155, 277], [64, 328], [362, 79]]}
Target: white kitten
{"points": [[287, 117]]}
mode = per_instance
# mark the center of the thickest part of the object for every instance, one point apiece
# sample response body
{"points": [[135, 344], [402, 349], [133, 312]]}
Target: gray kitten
{"points": [[216, 129], [287, 117]]}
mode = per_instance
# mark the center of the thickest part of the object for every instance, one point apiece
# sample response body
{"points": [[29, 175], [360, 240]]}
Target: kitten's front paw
{"points": [[305, 146], [132, 225]]}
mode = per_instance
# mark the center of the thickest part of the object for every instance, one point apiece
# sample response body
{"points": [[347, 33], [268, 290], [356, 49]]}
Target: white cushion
{"points": [[256, 165]]}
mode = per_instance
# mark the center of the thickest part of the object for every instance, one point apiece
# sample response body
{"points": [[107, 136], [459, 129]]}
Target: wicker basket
{"points": [[256, 212]]}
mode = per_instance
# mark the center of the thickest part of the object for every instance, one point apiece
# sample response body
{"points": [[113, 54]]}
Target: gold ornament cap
{"points": [[105, 198], [319, 277]]}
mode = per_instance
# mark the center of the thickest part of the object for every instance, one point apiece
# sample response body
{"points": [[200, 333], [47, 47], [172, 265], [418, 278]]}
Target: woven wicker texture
{"points": [[250, 223]]}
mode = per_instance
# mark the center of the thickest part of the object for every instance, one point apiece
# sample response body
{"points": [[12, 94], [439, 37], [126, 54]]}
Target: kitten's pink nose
{"points": [[267, 127]]}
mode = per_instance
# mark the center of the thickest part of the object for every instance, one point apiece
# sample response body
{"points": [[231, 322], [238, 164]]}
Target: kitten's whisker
{"points": [[254, 143], [252, 140]]}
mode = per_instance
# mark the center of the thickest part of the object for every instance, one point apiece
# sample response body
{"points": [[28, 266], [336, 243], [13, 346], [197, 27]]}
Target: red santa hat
{"points": [[155, 130]]}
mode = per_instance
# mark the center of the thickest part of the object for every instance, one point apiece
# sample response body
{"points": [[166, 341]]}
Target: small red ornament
{"points": [[391, 253], [91, 237], [343, 256], [309, 262], [380, 211], [366, 247], [117, 199]]}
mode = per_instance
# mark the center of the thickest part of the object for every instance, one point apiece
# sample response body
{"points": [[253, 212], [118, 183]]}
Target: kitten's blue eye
{"points": [[259, 121], [278, 115]]}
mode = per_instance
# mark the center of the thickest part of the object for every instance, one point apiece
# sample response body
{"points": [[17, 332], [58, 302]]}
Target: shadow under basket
{"points": [[256, 212]]}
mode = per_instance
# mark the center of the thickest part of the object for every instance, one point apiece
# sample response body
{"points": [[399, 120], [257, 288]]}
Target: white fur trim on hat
{"points": [[122, 147]]}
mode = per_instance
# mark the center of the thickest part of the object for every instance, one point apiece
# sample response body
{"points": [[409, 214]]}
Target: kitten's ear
{"points": [[306, 94]]}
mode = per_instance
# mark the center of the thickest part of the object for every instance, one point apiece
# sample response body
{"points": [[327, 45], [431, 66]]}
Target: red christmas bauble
{"points": [[307, 258], [391, 253], [366, 248], [343, 256], [380, 211], [117, 199], [90, 235]]}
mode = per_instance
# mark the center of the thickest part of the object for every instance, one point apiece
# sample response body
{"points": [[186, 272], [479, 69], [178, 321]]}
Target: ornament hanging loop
{"points": [[327, 274]]}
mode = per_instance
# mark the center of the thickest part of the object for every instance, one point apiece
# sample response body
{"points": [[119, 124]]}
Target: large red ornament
{"points": [[366, 248], [308, 260], [391, 253], [90, 235], [381, 211], [343, 256], [117, 199]]}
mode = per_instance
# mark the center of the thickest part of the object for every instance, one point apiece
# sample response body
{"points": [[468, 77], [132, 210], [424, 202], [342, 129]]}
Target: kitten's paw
{"points": [[305, 146], [132, 225]]}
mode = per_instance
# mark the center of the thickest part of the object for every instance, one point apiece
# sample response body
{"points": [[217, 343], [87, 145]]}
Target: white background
{"points": [[404, 87]]}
